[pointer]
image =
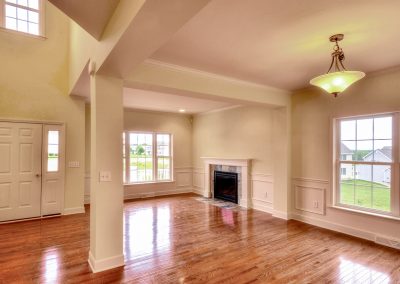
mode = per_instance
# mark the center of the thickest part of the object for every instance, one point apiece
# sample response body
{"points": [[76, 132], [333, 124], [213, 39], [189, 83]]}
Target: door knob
{"points": [[38, 175]]}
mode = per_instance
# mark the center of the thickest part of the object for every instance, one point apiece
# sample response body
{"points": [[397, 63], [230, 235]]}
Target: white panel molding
{"points": [[198, 180], [74, 210], [106, 263], [304, 189], [262, 192], [139, 195], [183, 177]]}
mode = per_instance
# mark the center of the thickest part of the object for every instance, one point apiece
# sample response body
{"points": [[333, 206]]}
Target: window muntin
{"points": [[22, 15], [149, 157], [53, 150], [365, 163]]}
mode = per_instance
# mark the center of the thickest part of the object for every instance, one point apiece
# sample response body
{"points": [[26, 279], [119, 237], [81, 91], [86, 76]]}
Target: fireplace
{"points": [[226, 186]]}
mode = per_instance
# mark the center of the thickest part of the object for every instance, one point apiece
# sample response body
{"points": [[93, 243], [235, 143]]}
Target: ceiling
{"points": [[92, 15], [285, 43], [150, 100]]}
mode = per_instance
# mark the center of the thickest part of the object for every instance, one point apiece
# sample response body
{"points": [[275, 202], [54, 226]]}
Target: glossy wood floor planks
{"points": [[181, 240]]}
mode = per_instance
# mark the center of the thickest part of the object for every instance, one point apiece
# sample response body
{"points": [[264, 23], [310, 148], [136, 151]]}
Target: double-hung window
{"points": [[147, 157], [25, 16], [367, 163]]}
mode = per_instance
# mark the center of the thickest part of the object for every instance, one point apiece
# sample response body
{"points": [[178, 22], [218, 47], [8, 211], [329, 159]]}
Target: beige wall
{"points": [[312, 113], [243, 132], [179, 126], [251, 132], [34, 84]]}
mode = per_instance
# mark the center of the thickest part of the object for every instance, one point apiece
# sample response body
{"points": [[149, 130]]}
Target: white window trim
{"points": [[395, 174], [154, 158], [42, 20]]}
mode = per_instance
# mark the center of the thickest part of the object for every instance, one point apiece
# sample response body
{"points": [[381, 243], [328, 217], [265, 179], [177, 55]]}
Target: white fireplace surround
{"points": [[244, 195]]}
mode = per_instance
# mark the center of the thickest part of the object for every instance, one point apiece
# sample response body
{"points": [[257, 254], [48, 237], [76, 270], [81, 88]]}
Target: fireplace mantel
{"points": [[245, 188]]}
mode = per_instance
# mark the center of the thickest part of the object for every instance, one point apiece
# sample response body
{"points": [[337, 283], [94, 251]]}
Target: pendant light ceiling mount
{"points": [[337, 81]]}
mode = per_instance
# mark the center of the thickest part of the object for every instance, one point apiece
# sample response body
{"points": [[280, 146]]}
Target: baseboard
{"points": [[370, 236], [105, 263], [198, 190], [281, 215], [74, 210], [262, 207], [157, 193]]}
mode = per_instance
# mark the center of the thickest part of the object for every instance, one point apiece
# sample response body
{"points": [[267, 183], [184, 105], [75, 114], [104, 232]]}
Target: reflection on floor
{"points": [[182, 240]]}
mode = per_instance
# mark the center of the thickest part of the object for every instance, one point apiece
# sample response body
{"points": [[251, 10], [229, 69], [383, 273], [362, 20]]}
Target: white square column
{"points": [[106, 194]]}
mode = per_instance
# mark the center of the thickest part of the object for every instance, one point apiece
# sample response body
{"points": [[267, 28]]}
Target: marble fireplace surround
{"points": [[244, 188]]}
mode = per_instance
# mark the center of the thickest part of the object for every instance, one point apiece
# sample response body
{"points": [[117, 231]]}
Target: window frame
{"points": [[395, 172], [42, 19], [154, 158]]}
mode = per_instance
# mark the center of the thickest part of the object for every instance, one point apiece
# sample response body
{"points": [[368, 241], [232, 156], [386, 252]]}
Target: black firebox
{"points": [[226, 186]]}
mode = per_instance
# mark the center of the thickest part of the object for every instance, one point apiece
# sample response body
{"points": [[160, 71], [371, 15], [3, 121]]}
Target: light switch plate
{"points": [[105, 176], [73, 164]]}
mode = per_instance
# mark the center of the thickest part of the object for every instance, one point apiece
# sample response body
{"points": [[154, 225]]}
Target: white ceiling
{"points": [[285, 43], [150, 100]]}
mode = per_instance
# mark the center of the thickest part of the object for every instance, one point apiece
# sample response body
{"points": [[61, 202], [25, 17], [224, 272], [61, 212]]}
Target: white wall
{"points": [[312, 114]]}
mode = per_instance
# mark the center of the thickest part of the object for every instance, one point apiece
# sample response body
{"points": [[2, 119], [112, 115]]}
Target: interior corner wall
{"points": [[243, 132], [34, 80], [312, 114]]}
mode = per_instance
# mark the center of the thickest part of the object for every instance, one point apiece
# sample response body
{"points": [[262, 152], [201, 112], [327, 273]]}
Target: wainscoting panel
{"points": [[198, 180], [310, 195], [262, 193], [183, 177]]}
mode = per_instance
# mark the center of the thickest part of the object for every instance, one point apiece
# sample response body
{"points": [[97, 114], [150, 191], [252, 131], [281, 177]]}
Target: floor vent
{"points": [[387, 242]]}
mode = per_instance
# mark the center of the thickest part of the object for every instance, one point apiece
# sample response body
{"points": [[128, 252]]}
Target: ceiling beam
{"points": [[168, 78]]}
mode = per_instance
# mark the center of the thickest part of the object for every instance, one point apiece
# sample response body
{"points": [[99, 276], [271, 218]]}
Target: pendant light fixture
{"points": [[339, 80]]}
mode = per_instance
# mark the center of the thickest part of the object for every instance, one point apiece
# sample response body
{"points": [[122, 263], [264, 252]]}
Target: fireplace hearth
{"points": [[226, 186]]}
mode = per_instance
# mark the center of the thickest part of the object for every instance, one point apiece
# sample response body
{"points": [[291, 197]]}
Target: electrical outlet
{"points": [[315, 204], [105, 176]]}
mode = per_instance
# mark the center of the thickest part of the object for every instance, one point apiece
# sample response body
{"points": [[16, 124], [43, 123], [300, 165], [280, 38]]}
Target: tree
{"points": [[140, 150]]}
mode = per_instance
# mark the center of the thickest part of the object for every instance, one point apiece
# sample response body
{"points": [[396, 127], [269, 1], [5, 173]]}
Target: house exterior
{"points": [[378, 173], [346, 170]]}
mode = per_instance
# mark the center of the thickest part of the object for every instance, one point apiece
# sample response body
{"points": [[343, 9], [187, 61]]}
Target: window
{"points": [[149, 157], [367, 164], [53, 147], [22, 15]]}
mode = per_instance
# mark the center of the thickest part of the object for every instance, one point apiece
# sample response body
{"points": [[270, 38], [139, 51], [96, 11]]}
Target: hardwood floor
{"points": [[181, 240]]}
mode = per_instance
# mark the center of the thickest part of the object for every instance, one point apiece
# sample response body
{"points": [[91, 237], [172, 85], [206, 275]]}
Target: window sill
{"points": [[148, 182], [391, 217], [40, 37]]}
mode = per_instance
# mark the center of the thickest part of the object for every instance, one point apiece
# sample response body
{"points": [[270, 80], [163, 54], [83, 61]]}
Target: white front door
{"points": [[20, 170]]}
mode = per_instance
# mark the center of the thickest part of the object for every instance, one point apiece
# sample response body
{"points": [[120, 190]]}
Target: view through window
{"points": [[365, 162], [149, 157]]}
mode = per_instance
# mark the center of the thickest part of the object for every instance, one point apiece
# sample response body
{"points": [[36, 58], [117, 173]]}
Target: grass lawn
{"points": [[365, 194]]}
